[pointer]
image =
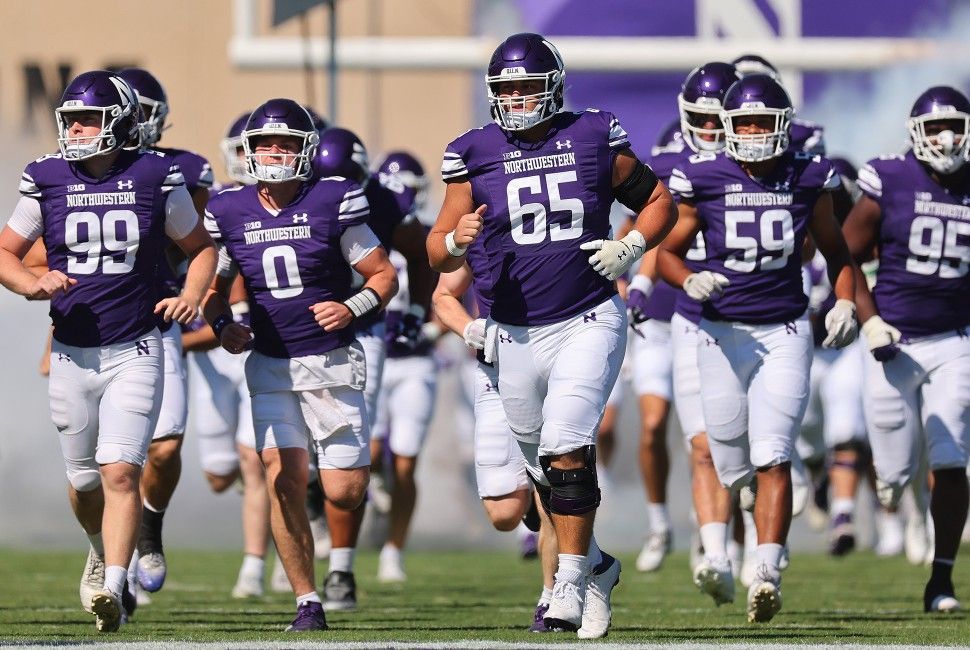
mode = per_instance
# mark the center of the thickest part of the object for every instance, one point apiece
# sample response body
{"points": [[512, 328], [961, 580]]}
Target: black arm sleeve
{"points": [[637, 188]]}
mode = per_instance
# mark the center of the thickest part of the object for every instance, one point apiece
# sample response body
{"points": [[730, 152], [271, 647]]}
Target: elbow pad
{"points": [[635, 191]]}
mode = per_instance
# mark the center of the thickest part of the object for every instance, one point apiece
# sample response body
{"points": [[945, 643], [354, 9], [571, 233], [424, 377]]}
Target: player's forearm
{"points": [[215, 305], [202, 268], [451, 312], [384, 283], [843, 280], [657, 218], [440, 259], [671, 268], [865, 306], [13, 275]]}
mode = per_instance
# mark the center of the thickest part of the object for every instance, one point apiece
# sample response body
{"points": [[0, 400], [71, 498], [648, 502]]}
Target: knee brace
{"points": [[545, 492], [573, 491], [863, 456], [84, 480]]}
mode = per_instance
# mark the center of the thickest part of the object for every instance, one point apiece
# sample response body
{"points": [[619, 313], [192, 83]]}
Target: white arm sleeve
{"points": [[27, 220], [358, 242], [180, 214]]}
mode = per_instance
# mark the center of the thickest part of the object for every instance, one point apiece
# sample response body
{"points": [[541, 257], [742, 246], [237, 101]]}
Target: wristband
{"points": [[642, 284], [220, 324], [454, 249], [366, 301]]}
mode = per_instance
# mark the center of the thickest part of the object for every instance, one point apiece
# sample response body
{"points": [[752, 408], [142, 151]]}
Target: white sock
{"points": [[312, 597], [750, 530], [133, 572], [594, 556], [843, 506], [151, 507], [522, 531], [546, 596], [342, 559], [252, 565], [572, 568], [659, 517], [769, 554], [97, 543], [115, 578], [714, 539]]}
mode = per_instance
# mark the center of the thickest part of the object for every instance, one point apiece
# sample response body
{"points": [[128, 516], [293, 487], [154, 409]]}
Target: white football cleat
{"points": [[945, 605], [889, 528], [713, 577], [92, 579], [764, 596], [785, 558], [916, 542], [321, 538], [654, 550], [747, 495], [378, 494], [278, 581], [248, 586], [390, 567], [566, 606], [107, 611], [597, 612]]}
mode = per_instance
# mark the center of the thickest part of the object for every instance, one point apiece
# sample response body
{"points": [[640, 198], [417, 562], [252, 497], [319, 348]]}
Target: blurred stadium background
{"points": [[410, 76]]}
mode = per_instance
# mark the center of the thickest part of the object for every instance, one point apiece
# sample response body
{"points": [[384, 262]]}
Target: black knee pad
{"points": [[573, 491], [544, 492], [863, 455]]}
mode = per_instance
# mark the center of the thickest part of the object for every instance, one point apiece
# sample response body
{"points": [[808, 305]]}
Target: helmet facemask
{"points": [[511, 112], [692, 113], [153, 120], [235, 164], [946, 150], [290, 166], [82, 148], [756, 147]]}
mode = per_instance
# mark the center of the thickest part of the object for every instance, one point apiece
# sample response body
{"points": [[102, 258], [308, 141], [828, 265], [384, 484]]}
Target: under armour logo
{"points": [[63, 357], [564, 144], [710, 342], [591, 316], [489, 388], [962, 332], [300, 218], [791, 328], [621, 254], [125, 185], [142, 347], [504, 338]]}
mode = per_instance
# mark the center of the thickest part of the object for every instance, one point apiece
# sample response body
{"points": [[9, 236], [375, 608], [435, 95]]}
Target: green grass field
{"points": [[487, 597]]}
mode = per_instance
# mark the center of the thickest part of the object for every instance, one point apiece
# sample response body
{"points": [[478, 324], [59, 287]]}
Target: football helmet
{"points": [[754, 64], [525, 57], [402, 167], [342, 153], [944, 150], [756, 94], [281, 117], [319, 123], [104, 92], [700, 99], [231, 147], [669, 139], [153, 100]]}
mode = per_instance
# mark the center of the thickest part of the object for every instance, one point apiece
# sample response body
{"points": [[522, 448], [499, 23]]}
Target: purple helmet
{"points": [[104, 92], [756, 95], [850, 176], [945, 145], [699, 101], [400, 167], [525, 57], [153, 101], [748, 64], [232, 151], [319, 123], [280, 117], [341, 153], [669, 139]]}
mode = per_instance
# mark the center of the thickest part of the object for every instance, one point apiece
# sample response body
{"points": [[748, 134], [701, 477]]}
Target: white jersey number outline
{"points": [[747, 259], [943, 253], [294, 283], [103, 244], [518, 211]]}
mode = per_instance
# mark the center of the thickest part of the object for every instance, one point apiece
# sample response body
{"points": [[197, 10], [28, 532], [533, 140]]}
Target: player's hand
{"points": [[470, 226], [45, 365], [840, 325], [637, 295], [882, 338], [49, 285], [332, 315], [235, 337], [178, 309], [474, 334], [705, 285], [614, 258]]}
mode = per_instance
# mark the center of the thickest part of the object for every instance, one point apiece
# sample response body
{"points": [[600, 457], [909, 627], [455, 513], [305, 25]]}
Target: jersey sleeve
{"points": [[832, 180], [680, 184], [617, 138], [226, 266], [453, 164], [870, 182], [354, 208], [173, 178], [28, 187], [180, 214]]}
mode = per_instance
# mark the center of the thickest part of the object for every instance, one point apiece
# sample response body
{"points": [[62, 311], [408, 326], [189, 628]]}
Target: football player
{"points": [[914, 213], [537, 186], [754, 203], [164, 466], [104, 212], [296, 241]]}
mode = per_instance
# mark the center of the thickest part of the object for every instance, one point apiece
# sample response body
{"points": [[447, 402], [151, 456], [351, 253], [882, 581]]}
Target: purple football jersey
{"points": [[478, 262], [924, 245], [108, 234], [806, 136], [195, 168], [754, 229], [544, 200], [290, 260]]}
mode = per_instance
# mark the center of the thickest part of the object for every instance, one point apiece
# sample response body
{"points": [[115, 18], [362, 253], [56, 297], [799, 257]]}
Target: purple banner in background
{"points": [[646, 102]]}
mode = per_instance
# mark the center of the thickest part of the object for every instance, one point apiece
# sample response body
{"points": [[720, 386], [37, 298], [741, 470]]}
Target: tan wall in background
{"points": [[184, 43]]}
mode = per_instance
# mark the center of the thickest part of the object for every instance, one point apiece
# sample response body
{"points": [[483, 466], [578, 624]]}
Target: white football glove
{"points": [[882, 338], [840, 325], [613, 258], [474, 334], [705, 285]]}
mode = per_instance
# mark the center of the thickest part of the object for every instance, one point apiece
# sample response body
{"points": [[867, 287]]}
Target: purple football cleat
{"points": [[530, 546], [538, 620], [309, 618]]}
